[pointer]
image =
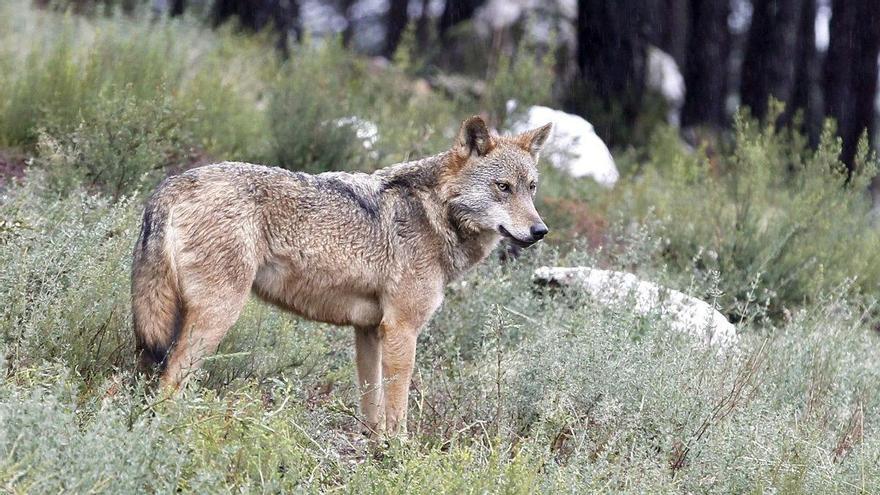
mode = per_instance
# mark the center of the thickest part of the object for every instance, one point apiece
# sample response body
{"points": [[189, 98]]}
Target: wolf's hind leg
{"points": [[368, 357], [204, 326]]}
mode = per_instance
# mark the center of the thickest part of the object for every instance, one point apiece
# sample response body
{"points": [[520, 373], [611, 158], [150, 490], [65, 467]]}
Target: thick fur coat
{"points": [[373, 251]]}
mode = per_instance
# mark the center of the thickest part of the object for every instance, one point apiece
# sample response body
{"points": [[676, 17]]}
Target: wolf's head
{"points": [[491, 182]]}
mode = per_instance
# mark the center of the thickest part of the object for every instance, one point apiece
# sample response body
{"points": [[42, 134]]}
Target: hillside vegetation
{"points": [[517, 389]]}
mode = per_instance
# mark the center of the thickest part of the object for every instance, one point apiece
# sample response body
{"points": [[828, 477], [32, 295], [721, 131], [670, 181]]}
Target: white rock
{"points": [[682, 312], [664, 75], [665, 78], [499, 14], [573, 147], [365, 130]]}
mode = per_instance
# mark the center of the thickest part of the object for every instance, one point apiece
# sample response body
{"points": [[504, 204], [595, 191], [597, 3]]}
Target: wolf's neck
{"points": [[467, 251], [460, 248], [423, 173]]}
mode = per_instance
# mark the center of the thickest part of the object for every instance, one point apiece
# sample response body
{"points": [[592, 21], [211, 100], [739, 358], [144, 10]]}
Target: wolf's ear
{"points": [[473, 137], [533, 141]]}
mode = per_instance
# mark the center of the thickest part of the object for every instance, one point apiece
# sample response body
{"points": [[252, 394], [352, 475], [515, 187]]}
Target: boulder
{"points": [[682, 312], [574, 146]]}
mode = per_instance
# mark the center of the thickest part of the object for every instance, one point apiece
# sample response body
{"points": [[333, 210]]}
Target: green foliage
{"points": [[310, 97], [122, 144], [59, 72], [65, 281], [527, 78], [780, 222], [516, 390]]}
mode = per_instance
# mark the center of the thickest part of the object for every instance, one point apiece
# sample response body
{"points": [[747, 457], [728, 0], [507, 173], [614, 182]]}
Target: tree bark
{"points": [[806, 96], [707, 64], [256, 15], [850, 79], [395, 23], [611, 39], [769, 66], [177, 8], [456, 11], [674, 29]]}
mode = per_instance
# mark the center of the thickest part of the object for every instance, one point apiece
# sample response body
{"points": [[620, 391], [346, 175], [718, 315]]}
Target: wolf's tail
{"points": [[157, 307]]}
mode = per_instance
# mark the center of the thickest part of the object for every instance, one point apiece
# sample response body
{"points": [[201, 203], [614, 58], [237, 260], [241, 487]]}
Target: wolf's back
{"points": [[157, 308]]}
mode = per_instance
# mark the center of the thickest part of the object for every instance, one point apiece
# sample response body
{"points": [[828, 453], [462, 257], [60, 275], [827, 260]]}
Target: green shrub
{"points": [[310, 96], [527, 78], [59, 71], [779, 222], [122, 143], [64, 268]]}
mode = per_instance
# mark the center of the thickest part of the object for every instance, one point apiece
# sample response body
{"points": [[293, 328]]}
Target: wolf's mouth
{"points": [[517, 241]]}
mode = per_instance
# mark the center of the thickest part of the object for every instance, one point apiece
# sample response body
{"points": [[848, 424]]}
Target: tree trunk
{"points": [[806, 96], [769, 65], [422, 26], [256, 15], [395, 23], [177, 8], [674, 30], [850, 77], [706, 67], [456, 11], [612, 56]]}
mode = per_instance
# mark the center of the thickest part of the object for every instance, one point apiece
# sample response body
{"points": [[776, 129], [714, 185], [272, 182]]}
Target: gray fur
{"points": [[373, 251]]}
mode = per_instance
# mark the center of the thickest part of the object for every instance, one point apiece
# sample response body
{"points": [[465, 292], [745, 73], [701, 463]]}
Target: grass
{"points": [[517, 390]]}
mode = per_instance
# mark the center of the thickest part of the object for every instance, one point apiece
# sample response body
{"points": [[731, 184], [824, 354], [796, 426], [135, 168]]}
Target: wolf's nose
{"points": [[539, 230]]}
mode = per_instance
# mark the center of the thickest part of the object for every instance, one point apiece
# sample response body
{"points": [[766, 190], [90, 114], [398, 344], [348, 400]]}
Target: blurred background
{"points": [[702, 59], [623, 65]]}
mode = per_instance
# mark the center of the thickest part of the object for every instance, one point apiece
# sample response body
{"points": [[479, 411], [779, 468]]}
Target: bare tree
{"points": [[396, 20], [768, 68], [707, 64], [850, 78], [455, 11]]}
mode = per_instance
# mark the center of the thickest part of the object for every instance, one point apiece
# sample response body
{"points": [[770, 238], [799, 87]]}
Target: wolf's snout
{"points": [[538, 231]]}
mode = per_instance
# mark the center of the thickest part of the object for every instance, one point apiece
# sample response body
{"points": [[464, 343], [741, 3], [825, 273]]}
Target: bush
{"points": [[123, 144], [57, 72], [306, 107], [64, 269], [779, 222], [516, 390]]}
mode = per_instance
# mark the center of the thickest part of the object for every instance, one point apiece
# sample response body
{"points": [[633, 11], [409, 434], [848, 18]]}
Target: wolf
{"points": [[372, 251]]}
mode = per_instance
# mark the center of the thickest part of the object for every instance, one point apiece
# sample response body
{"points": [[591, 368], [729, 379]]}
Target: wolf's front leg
{"points": [[398, 359], [368, 356]]}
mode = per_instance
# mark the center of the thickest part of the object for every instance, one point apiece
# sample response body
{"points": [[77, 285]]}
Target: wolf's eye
{"points": [[503, 186], [533, 186]]}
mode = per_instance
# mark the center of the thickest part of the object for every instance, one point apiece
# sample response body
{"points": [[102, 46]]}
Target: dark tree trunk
{"points": [[706, 67], [456, 11], [395, 23], [806, 97], [769, 65], [348, 32], [611, 41], [177, 8], [674, 29], [422, 26], [850, 77], [256, 15]]}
